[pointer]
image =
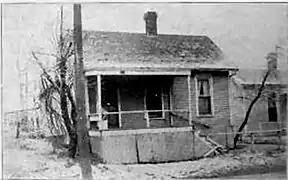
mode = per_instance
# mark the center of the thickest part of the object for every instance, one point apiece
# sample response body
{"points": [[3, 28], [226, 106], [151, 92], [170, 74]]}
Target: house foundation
{"points": [[147, 145]]}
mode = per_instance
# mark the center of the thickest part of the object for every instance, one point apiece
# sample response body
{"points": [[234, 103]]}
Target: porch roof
{"points": [[153, 69]]}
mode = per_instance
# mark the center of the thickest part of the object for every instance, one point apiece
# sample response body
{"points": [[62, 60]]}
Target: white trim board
{"points": [[130, 72]]}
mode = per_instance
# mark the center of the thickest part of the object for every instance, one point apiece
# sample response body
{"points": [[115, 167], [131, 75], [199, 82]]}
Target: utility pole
{"points": [[61, 31], [82, 130], [286, 38]]}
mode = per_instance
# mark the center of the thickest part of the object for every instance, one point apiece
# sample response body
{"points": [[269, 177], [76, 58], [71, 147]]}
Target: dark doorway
{"points": [[154, 101], [272, 108], [110, 100]]}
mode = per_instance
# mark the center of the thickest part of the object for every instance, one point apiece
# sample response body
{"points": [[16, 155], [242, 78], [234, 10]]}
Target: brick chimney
{"points": [[272, 61], [150, 18]]}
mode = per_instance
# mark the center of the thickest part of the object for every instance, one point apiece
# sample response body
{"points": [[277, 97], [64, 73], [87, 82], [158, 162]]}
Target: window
{"points": [[154, 101], [272, 108], [204, 96]]}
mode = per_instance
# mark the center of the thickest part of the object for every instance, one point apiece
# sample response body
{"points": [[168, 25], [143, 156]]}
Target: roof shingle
{"points": [[122, 48]]}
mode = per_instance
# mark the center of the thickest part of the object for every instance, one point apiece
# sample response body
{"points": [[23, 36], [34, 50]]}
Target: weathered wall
{"points": [[147, 145], [237, 105], [180, 99], [114, 148], [221, 118]]}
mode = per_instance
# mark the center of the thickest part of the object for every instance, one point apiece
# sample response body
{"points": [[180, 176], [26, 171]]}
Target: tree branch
{"points": [[44, 53], [250, 107], [45, 73]]}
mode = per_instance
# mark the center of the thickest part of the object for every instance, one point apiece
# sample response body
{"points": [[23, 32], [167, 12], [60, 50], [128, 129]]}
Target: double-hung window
{"points": [[204, 95]]}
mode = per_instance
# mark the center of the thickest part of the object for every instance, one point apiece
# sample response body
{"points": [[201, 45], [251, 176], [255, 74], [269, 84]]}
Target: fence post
{"points": [[252, 142], [279, 139], [193, 128], [233, 134], [18, 130], [226, 137]]}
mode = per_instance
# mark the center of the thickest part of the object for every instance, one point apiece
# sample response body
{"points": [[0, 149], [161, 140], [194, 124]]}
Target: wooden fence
{"points": [[30, 121]]}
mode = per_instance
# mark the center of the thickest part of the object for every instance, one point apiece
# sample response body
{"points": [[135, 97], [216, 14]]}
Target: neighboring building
{"points": [[154, 88], [270, 111]]}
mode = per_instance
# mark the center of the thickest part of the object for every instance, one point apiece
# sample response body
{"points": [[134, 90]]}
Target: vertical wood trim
{"points": [[162, 102], [87, 101], [146, 115], [244, 106], [119, 107], [211, 94], [99, 100], [230, 99], [189, 99], [196, 95], [171, 105], [87, 97]]}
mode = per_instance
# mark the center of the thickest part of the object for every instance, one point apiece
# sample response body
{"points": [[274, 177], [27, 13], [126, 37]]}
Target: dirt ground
{"points": [[34, 158]]}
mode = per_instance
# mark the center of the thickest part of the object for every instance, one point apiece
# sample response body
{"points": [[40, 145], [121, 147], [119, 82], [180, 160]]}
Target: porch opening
{"points": [[134, 102], [155, 101]]}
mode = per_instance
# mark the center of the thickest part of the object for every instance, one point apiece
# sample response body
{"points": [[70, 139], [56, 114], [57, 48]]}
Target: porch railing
{"points": [[95, 116]]}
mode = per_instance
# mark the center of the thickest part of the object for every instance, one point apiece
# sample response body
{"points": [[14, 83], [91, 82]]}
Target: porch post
{"points": [[146, 115], [99, 106], [189, 99], [171, 106], [119, 107], [87, 102], [162, 102]]}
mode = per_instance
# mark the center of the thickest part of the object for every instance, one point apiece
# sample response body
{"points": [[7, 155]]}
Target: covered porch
{"points": [[137, 98], [140, 115]]}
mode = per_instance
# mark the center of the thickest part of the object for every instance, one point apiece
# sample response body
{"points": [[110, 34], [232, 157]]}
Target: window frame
{"points": [[211, 90]]}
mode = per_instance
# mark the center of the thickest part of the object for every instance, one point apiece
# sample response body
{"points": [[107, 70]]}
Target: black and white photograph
{"points": [[144, 90]]}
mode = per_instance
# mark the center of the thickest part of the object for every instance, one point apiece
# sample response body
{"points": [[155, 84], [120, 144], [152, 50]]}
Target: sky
{"points": [[244, 32]]}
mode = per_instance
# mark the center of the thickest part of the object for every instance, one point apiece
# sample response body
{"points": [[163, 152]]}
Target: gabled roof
{"points": [[255, 76], [123, 49]]}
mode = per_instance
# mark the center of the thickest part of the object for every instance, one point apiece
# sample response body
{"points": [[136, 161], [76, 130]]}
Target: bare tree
{"points": [[56, 91]]}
